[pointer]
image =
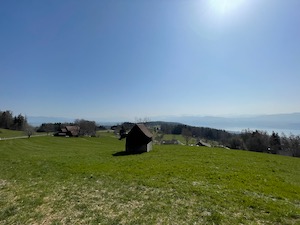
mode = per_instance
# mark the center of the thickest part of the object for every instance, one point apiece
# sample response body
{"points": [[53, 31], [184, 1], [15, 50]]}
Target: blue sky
{"points": [[121, 60]]}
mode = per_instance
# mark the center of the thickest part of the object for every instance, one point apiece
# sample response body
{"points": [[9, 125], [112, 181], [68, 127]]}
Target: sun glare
{"points": [[225, 6]]}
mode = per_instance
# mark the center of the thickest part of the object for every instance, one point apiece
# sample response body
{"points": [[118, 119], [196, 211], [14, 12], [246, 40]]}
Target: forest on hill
{"points": [[11, 122]]}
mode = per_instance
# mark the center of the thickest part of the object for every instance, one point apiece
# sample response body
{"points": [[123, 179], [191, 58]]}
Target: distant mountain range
{"points": [[278, 122], [38, 120]]}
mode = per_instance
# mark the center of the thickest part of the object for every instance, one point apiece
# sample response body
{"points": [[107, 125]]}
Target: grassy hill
{"points": [[51, 180], [5, 133]]}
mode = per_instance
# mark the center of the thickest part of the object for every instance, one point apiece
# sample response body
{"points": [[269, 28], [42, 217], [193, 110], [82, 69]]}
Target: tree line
{"points": [[258, 141], [19, 122], [201, 132], [9, 121], [261, 141]]}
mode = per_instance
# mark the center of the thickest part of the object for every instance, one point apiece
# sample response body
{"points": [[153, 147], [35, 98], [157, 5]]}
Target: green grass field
{"points": [[5, 133], [52, 180]]}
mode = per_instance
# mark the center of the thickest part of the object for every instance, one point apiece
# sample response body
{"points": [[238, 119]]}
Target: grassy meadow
{"points": [[52, 180], [5, 133]]}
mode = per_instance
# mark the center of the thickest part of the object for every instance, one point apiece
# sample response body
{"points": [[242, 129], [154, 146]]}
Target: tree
{"points": [[187, 134], [178, 129], [291, 145], [275, 143], [20, 122], [87, 128], [122, 133], [159, 136], [257, 141], [295, 145], [6, 119], [28, 130], [47, 127], [236, 143], [166, 128]]}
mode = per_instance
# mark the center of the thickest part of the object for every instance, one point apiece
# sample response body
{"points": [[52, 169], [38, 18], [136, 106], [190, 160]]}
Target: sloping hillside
{"points": [[50, 180]]}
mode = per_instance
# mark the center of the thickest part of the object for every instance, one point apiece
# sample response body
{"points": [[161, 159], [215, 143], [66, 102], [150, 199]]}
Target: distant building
{"points": [[201, 143], [68, 131], [139, 139], [169, 142]]}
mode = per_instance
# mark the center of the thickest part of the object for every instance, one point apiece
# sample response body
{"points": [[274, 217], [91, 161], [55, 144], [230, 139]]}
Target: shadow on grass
{"points": [[124, 153]]}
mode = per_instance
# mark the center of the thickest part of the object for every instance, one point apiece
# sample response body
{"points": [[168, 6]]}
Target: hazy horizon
{"points": [[280, 123]]}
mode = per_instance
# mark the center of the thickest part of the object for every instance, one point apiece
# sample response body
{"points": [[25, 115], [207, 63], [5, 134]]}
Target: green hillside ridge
{"points": [[50, 180]]}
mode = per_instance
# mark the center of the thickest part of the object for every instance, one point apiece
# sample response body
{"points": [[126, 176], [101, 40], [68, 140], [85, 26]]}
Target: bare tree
{"points": [[87, 128], [187, 134], [159, 137], [295, 145], [28, 130], [142, 120]]}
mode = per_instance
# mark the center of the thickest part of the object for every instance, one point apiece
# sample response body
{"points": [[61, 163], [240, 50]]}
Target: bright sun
{"points": [[225, 6]]}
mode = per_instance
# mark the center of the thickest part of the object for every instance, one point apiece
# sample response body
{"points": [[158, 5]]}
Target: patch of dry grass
{"points": [[106, 201]]}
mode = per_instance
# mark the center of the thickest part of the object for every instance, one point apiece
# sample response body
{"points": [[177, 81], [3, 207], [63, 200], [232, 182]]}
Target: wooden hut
{"points": [[139, 139]]}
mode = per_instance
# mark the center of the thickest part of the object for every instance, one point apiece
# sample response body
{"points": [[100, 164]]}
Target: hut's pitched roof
{"points": [[144, 129], [138, 135]]}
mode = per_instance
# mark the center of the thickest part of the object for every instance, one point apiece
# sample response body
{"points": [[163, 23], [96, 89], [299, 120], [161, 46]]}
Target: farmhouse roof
{"points": [[64, 130], [74, 130], [201, 143]]}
